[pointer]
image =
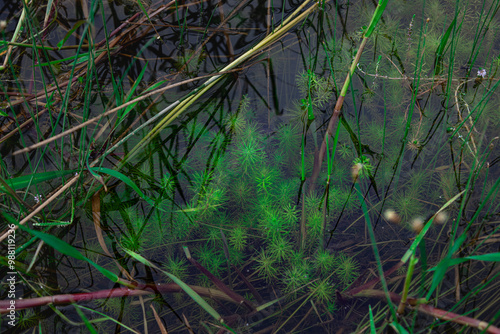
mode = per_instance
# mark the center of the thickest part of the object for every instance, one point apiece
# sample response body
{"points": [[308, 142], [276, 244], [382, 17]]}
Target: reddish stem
{"points": [[141, 289]]}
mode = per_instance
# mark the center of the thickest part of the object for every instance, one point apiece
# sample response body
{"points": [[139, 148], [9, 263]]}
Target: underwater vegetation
{"points": [[211, 168]]}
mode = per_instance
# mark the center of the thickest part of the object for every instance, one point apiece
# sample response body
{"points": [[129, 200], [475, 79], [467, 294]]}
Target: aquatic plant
{"points": [[418, 182], [313, 87], [212, 259], [156, 234], [266, 266], [288, 137], [348, 200], [279, 158], [252, 132], [314, 226], [210, 201], [238, 238], [213, 235], [313, 202], [324, 261], [279, 248], [265, 177], [236, 123], [272, 224], [189, 61], [132, 242], [348, 269], [290, 214], [322, 291], [345, 151], [374, 133], [93, 251], [262, 205], [115, 306], [237, 257], [362, 167], [448, 184], [177, 267], [183, 222], [293, 280], [406, 205], [341, 174], [296, 258], [240, 192], [331, 305], [168, 183], [248, 153], [27, 319], [287, 191]]}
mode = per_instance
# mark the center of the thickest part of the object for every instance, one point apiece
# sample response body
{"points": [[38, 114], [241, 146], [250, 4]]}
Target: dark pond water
{"points": [[230, 179]]}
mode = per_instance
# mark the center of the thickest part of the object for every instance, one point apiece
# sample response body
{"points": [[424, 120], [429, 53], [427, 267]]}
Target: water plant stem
{"points": [[409, 274]]}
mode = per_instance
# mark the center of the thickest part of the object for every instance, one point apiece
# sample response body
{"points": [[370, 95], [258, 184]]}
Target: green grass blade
{"points": [[63, 247], [372, 322], [69, 33], [26, 180], [121, 116], [124, 179], [196, 297], [106, 317], [376, 17], [491, 257], [85, 321], [426, 228], [441, 47]]}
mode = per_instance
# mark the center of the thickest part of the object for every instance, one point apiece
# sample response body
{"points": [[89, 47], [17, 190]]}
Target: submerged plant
{"points": [[27, 319], [132, 242], [280, 248], [176, 267], [266, 266], [214, 236], [315, 88], [348, 269], [265, 178], [322, 291], [287, 191], [236, 124], [288, 137], [290, 213], [406, 205], [248, 154], [238, 238], [210, 258], [324, 261], [361, 167], [115, 306], [314, 225], [312, 203], [293, 280], [272, 224]]}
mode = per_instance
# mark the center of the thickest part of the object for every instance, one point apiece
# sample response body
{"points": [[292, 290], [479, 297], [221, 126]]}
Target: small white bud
{"points": [[417, 224], [441, 218], [392, 216]]}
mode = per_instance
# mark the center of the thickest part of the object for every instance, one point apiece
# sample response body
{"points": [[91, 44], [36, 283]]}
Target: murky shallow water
{"points": [[226, 176]]}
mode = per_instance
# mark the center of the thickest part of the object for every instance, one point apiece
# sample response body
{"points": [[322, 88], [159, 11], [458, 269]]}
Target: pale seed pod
{"points": [[417, 224], [355, 170], [392, 216], [441, 218]]}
